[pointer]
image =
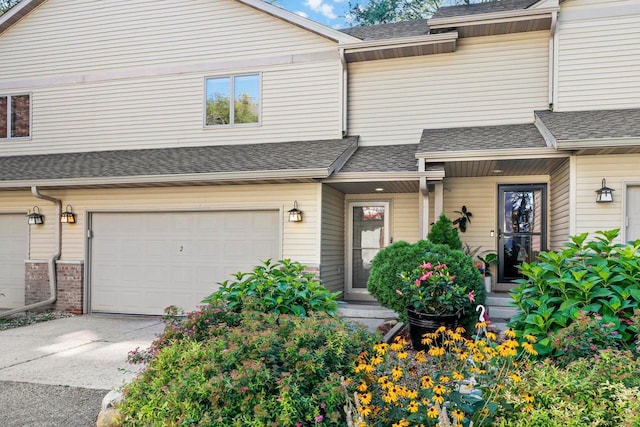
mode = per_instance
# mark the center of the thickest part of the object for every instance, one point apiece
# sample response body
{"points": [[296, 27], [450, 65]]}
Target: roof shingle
{"points": [[598, 124], [383, 158], [484, 7], [418, 27]]}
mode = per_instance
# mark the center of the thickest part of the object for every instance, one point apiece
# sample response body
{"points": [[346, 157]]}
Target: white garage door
{"points": [[144, 262], [14, 238]]}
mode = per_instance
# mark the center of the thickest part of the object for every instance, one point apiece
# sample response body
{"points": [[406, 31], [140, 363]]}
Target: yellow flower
{"points": [[528, 347], [444, 379], [457, 376], [436, 351], [413, 406], [530, 338], [460, 330], [362, 387], [510, 333], [516, 378], [361, 424], [481, 325], [426, 340], [527, 398], [439, 389], [458, 415], [401, 423], [427, 381], [376, 360], [381, 348], [365, 411], [439, 399], [432, 412], [491, 336], [441, 329], [396, 373], [365, 399], [402, 355], [421, 357]]}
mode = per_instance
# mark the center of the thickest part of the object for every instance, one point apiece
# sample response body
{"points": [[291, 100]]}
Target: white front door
{"points": [[632, 229], [368, 232]]}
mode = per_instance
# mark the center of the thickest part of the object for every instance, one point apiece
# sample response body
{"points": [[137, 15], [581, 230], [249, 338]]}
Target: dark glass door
{"points": [[522, 219]]}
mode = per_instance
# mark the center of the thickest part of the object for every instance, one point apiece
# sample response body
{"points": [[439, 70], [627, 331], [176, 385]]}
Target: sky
{"points": [[328, 12]]}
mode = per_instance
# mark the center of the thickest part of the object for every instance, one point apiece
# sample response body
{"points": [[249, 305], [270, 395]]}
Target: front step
{"points": [[499, 309], [369, 315]]}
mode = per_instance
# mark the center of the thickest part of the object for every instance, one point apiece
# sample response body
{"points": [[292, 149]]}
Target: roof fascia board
{"points": [[491, 18], [544, 4], [510, 154], [545, 132], [17, 12], [574, 144], [400, 42], [149, 179], [299, 21]]}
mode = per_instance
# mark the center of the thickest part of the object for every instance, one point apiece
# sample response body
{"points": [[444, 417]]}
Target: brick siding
{"points": [[70, 285]]}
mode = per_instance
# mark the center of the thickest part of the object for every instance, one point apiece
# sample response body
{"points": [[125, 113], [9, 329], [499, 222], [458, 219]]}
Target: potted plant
{"points": [[434, 298], [488, 260]]}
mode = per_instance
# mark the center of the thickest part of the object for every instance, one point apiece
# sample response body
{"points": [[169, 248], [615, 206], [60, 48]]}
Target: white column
{"points": [[424, 208], [438, 203]]}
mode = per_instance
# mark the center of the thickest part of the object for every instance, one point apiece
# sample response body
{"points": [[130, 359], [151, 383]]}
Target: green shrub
{"points": [[282, 287], [388, 265], [602, 391], [595, 276], [223, 368], [444, 233]]}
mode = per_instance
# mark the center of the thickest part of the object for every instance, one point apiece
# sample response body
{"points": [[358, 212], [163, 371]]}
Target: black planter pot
{"points": [[421, 323]]}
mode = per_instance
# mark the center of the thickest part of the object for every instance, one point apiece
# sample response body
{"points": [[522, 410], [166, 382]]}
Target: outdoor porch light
{"points": [[295, 215], [35, 217], [605, 194], [68, 216]]}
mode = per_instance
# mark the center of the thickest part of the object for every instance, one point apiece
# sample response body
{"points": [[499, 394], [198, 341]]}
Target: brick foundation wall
{"points": [[70, 285]]}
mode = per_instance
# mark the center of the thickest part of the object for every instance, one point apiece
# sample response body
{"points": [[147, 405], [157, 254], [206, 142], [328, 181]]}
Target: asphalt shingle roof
{"points": [[481, 138], [598, 124], [383, 158], [418, 27], [298, 155], [487, 7]]}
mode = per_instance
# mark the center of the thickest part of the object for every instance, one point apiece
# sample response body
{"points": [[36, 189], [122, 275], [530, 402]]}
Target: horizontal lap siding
{"points": [[488, 80], [599, 55], [618, 171], [299, 239], [559, 224], [101, 82], [480, 196], [333, 239]]}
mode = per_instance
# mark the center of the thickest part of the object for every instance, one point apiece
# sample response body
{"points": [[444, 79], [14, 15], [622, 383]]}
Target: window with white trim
{"points": [[15, 116], [244, 89]]}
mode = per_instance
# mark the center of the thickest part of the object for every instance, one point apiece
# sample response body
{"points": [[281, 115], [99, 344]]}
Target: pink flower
{"points": [[243, 390], [426, 265], [399, 292], [472, 296], [319, 418], [165, 388]]}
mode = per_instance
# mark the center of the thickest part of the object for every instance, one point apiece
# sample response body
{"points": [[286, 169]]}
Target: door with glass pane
{"points": [[368, 232], [522, 228]]}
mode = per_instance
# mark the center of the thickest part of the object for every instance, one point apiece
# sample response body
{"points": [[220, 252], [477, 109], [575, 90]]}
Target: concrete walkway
{"points": [[70, 362]]}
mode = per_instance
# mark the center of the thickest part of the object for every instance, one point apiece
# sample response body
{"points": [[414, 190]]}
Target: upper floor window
{"points": [[15, 116], [245, 90]]}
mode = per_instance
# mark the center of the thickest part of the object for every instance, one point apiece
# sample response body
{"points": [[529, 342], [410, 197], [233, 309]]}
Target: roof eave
{"points": [[579, 144], [17, 12], [490, 18], [495, 154], [229, 177]]}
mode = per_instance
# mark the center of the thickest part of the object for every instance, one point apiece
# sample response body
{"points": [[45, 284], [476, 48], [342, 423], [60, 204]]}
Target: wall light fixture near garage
{"points": [[295, 215], [68, 216], [604, 194], [35, 217]]}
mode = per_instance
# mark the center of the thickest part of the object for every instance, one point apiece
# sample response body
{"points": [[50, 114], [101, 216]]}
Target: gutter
{"points": [[51, 261], [491, 18], [553, 60]]}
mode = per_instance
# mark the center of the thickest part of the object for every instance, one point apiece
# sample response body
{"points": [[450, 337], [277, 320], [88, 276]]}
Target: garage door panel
{"points": [[173, 258], [14, 237]]}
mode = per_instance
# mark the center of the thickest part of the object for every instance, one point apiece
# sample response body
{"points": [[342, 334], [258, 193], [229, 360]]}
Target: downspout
{"points": [[51, 261], [553, 61], [345, 93]]}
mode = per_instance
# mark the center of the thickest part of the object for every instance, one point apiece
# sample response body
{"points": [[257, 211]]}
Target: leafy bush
{"points": [[281, 287], [223, 368], [388, 265], [602, 391], [444, 233], [596, 276]]}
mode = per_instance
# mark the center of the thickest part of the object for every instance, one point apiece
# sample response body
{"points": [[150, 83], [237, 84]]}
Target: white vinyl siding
{"points": [[559, 206], [487, 81], [299, 240], [332, 256], [480, 196], [599, 55], [101, 81], [618, 170]]}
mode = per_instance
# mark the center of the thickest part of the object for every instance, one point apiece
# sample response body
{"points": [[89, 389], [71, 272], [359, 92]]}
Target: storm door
{"points": [[522, 219], [368, 232]]}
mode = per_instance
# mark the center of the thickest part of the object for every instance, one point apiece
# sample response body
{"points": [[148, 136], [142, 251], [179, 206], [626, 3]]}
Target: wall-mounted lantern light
{"points": [[605, 194], [295, 215], [68, 216], [35, 217]]}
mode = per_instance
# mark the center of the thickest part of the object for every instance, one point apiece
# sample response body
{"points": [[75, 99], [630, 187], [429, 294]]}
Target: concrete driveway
{"points": [[53, 371]]}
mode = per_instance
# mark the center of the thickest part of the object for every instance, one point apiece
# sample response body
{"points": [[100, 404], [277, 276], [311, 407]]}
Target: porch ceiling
{"points": [[508, 167], [371, 186]]}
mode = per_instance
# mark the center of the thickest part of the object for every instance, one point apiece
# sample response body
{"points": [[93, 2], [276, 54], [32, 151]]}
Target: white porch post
{"points": [[424, 201], [438, 203]]}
